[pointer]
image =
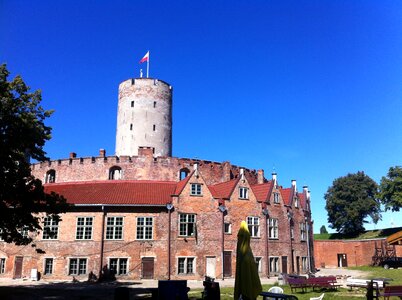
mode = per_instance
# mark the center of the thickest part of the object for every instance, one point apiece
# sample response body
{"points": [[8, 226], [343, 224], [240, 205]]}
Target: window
{"points": [[228, 228], [243, 193], [187, 225], [296, 200], [2, 265], [305, 267], [118, 265], [196, 189], [276, 198], [84, 228], [274, 264], [292, 232], [77, 266], [114, 228], [273, 228], [154, 104], [50, 229], [303, 231], [154, 127], [1, 235], [184, 173], [186, 265], [258, 262], [50, 176], [145, 228], [132, 103], [48, 266], [115, 173], [131, 126], [253, 226]]}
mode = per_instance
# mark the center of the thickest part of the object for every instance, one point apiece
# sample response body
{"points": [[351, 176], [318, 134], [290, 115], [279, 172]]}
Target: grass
{"points": [[369, 234], [340, 294]]}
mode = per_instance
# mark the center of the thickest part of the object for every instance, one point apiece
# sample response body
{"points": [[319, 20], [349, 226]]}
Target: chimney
{"points": [[274, 179], [102, 152], [241, 173], [294, 185], [195, 166], [305, 191], [73, 155], [260, 176]]}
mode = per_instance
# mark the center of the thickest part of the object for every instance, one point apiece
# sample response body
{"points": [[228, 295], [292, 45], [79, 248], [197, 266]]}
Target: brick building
{"points": [[144, 215]]}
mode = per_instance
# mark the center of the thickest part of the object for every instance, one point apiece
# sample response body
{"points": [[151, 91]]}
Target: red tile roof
{"points": [[182, 183], [115, 192], [223, 190], [262, 191], [302, 200], [286, 195]]}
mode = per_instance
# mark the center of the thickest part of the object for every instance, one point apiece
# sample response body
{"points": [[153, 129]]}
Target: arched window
{"points": [[115, 173], [184, 173], [50, 176]]}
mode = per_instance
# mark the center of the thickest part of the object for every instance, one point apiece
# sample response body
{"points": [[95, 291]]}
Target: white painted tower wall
{"points": [[144, 117]]}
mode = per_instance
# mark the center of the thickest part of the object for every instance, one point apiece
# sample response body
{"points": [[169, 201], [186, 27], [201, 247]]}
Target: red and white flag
{"points": [[145, 58]]}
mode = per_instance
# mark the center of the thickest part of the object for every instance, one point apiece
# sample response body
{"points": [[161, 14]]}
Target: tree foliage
{"points": [[22, 135], [349, 201], [323, 230], [390, 190]]}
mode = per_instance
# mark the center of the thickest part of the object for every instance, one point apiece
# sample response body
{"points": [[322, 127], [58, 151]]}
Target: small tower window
{"points": [[184, 173], [132, 103], [115, 173], [131, 126], [154, 127], [50, 176], [154, 104]]}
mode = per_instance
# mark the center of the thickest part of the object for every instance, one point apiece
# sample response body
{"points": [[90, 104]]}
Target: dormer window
{"points": [[276, 198], [196, 189], [243, 192]]}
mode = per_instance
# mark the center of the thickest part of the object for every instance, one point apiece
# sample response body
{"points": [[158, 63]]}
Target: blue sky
{"points": [[310, 89]]}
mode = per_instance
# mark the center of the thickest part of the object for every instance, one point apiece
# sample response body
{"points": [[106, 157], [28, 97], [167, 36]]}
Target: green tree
{"points": [[323, 230], [390, 190], [22, 135], [349, 201]]}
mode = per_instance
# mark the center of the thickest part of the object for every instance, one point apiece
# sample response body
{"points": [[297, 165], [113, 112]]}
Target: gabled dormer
{"points": [[193, 185]]}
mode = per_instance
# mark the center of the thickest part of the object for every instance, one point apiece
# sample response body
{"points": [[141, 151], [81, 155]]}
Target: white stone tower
{"points": [[144, 117]]}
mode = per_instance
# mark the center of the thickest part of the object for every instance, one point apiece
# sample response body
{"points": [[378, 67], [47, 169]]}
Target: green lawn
{"points": [[340, 294]]}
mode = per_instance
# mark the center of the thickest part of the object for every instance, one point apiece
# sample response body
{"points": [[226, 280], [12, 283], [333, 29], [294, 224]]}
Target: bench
{"points": [[363, 283], [324, 282], [297, 283], [392, 290], [276, 296]]}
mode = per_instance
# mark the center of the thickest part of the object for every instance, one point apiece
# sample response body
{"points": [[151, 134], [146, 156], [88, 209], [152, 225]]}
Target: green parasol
{"points": [[247, 282]]}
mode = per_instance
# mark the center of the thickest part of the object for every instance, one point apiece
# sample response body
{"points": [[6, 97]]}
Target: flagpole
{"points": [[148, 65]]}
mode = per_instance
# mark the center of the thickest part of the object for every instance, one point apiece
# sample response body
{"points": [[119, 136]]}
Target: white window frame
{"points": [[121, 264], [274, 264], [276, 198], [50, 229], [195, 189], [185, 225], [303, 231], [186, 265], [253, 224], [258, 262], [84, 228], [79, 264], [273, 228], [2, 265], [45, 269], [305, 264], [114, 231], [243, 192], [145, 228]]}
